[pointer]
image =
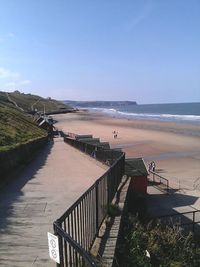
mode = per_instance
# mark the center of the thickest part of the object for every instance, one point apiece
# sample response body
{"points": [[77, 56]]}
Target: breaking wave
{"points": [[163, 117]]}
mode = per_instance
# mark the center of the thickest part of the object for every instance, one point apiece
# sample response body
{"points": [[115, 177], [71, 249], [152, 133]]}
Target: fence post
{"points": [[60, 243], [193, 225], [97, 206], [112, 156]]}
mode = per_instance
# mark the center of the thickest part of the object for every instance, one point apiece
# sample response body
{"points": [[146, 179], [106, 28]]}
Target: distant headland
{"points": [[99, 104]]}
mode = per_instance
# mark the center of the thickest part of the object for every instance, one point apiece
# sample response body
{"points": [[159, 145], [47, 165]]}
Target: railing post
{"points": [[97, 206], [112, 155], [193, 224], [60, 245]]}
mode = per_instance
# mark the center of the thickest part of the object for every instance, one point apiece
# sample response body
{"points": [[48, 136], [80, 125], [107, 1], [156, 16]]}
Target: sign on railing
{"points": [[53, 247]]}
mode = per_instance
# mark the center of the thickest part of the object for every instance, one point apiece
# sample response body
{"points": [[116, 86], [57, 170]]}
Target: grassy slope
{"points": [[16, 127], [29, 102]]}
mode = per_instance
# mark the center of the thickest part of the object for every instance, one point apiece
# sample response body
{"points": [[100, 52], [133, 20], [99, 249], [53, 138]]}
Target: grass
{"points": [[29, 102], [113, 210], [16, 127]]}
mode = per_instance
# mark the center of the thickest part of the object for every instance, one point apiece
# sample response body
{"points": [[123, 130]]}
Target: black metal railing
{"points": [[187, 221], [159, 181], [78, 227]]}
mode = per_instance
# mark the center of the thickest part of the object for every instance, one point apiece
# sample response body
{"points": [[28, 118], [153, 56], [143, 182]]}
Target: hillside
{"points": [[16, 127], [16, 123], [29, 103], [99, 104]]}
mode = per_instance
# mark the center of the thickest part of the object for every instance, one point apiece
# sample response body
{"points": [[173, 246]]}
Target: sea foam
{"points": [[163, 117]]}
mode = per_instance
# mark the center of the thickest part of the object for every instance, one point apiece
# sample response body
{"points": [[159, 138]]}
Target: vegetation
{"points": [[159, 246], [29, 102], [113, 210], [16, 127]]}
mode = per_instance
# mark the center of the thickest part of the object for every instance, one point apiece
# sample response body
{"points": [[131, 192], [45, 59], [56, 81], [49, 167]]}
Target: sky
{"points": [[142, 50]]}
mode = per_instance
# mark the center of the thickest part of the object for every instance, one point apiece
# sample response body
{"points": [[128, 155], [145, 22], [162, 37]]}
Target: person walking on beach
{"points": [[153, 164], [150, 166], [115, 134]]}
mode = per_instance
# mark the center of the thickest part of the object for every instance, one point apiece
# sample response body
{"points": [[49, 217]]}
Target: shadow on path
{"points": [[174, 209], [11, 192]]}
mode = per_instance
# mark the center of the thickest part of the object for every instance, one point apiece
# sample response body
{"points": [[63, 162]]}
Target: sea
{"points": [[179, 112]]}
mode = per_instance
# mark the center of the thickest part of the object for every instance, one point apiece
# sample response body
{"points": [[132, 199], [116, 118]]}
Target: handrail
{"points": [[88, 190], [78, 227], [169, 217], [160, 178], [177, 214], [74, 244]]}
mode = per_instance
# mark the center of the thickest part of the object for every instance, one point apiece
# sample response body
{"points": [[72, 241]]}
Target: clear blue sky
{"points": [[143, 50]]}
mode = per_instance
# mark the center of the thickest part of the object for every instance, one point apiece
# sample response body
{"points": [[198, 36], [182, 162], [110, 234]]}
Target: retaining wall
{"points": [[20, 155]]}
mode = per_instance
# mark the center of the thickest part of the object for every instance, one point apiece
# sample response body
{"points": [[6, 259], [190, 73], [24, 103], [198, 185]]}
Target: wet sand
{"points": [[175, 147]]}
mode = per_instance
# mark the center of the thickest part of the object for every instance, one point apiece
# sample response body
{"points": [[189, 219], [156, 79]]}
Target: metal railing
{"points": [[185, 220], [159, 181], [78, 227]]}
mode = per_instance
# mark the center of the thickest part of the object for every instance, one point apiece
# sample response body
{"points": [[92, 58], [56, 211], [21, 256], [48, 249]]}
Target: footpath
{"points": [[45, 189]]}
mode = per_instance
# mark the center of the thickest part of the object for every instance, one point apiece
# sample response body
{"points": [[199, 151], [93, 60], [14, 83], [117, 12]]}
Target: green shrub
{"points": [[167, 246], [113, 210]]}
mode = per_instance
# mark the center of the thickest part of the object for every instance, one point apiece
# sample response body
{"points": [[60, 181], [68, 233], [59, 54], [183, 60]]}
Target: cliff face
{"points": [[100, 104]]}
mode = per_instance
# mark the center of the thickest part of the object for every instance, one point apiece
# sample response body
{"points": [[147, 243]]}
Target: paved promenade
{"points": [[43, 191]]}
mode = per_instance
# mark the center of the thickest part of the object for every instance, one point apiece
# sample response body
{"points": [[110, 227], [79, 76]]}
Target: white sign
{"points": [[53, 247]]}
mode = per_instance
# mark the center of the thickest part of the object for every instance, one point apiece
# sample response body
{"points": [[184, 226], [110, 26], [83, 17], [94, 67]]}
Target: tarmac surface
{"points": [[43, 191]]}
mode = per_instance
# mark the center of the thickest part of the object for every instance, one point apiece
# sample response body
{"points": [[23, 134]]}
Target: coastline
{"points": [[175, 147]]}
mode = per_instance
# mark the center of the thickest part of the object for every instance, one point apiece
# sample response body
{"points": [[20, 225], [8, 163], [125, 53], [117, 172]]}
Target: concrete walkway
{"points": [[161, 204], [30, 204]]}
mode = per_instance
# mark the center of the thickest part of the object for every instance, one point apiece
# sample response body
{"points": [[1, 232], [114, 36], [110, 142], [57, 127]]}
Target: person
{"points": [[94, 153], [107, 162], [150, 166], [153, 166], [115, 134]]}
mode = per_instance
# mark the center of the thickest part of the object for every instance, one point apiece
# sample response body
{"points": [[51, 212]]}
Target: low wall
{"points": [[14, 157]]}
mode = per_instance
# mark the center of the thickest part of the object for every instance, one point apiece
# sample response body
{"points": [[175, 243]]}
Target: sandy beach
{"points": [[175, 147]]}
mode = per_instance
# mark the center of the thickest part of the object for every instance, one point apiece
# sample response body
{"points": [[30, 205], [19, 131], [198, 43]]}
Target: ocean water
{"points": [[181, 112]]}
